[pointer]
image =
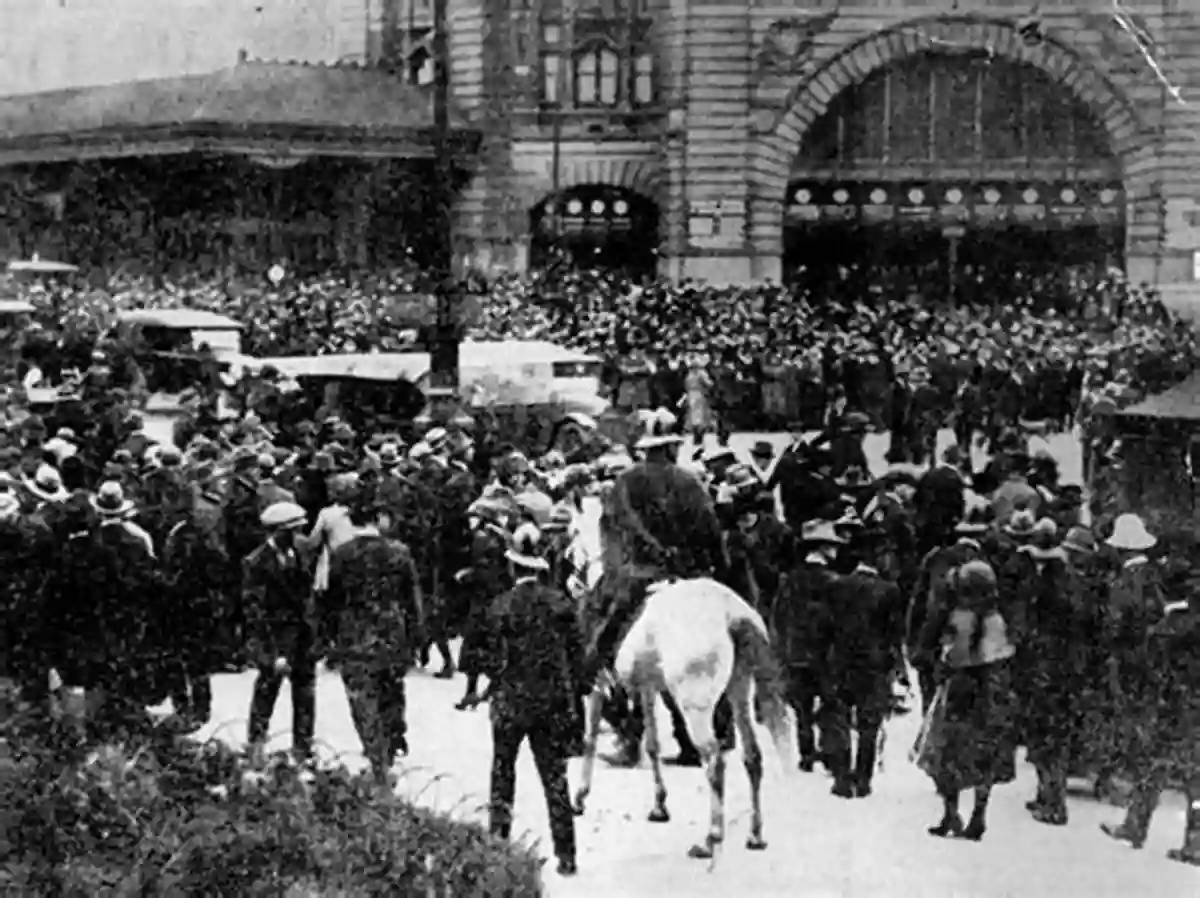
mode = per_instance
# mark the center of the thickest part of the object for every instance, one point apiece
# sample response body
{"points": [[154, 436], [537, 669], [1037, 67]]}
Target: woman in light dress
{"points": [[697, 387], [333, 528]]}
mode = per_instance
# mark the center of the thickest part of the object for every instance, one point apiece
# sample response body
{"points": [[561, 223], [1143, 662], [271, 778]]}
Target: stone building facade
{"points": [[730, 118]]}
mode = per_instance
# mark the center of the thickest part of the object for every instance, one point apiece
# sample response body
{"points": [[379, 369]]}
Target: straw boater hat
{"points": [[1130, 533], [523, 552], [284, 516], [110, 501], [46, 485]]}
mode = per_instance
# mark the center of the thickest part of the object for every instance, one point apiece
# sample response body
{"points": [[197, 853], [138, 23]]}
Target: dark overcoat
{"points": [[104, 614], [535, 639], [373, 608], [276, 591]]}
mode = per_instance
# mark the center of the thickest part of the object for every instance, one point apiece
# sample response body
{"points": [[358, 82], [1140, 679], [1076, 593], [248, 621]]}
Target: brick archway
{"points": [[777, 149], [636, 175]]}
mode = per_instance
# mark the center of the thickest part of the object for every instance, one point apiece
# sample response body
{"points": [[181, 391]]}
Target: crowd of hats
{"points": [[861, 314]]}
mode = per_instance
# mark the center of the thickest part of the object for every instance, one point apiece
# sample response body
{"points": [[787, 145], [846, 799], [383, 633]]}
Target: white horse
{"points": [[699, 640]]}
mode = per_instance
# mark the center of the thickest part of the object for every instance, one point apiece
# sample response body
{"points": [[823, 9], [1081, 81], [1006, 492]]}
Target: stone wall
{"points": [[742, 82]]}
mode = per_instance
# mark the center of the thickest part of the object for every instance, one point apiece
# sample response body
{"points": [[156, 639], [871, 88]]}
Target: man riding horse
{"points": [[658, 523]]}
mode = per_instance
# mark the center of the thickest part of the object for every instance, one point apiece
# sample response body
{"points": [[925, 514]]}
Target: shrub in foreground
{"points": [[180, 818]]}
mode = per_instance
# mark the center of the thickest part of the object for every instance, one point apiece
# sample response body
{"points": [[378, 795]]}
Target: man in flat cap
{"points": [[280, 632]]}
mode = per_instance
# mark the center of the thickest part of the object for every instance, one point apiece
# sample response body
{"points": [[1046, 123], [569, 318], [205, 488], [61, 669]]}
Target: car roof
{"points": [[180, 319]]}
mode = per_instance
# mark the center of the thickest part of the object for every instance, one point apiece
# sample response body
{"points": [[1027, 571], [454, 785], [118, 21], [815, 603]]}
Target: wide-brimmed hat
{"points": [[535, 506], [718, 454], [763, 449], [1043, 540], [437, 438], [1021, 523], [284, 516], [110, 500], [390, 455], [976, 522], [855, 421], [526, 544], [657, 441], [821, 532], [46, 485], [1079, 539], [1130, 533]]}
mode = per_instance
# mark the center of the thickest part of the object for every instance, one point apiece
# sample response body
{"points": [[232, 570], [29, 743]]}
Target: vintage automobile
{"points": [[533, 393]]}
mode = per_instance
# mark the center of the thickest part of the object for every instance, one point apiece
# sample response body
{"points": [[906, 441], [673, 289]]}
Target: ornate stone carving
{"points": [[787, 49]]}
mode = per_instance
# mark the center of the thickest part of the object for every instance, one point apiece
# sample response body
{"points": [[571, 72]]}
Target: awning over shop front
{"points": [[1178, 403], [250, 107]]}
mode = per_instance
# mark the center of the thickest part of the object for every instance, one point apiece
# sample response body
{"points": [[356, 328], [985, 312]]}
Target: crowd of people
{"points": [[274, 547], [750, 358], [1012, 614]]}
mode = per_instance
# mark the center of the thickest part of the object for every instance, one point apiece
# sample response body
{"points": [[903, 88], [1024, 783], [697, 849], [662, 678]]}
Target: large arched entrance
{"points": [[596, 226], [951, 166]]}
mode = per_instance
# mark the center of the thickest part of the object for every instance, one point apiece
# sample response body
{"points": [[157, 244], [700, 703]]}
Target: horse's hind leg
{"points": [[658, 813], [595, 707], [738, 694], [698, 711], [715, 769]]}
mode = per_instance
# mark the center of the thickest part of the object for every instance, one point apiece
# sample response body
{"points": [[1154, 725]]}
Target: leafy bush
{"points": [[175, 817]]}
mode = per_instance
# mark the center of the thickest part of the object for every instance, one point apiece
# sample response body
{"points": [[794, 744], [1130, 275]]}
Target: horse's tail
{"points": [[752, 652]]}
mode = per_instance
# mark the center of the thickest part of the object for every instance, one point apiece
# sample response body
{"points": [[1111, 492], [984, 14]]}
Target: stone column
{"points": [[708, 51]]}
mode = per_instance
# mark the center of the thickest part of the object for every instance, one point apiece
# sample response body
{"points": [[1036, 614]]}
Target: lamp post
{"points": [[443, 353]]}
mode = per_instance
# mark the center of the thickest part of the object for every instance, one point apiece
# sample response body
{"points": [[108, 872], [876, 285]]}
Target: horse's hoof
{"points": [[756, 843], [659, 815], [700, 852]]}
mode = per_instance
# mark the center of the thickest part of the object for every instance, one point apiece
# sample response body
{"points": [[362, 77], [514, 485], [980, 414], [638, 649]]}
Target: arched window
{"points": [[642, 92], [595, 73]]}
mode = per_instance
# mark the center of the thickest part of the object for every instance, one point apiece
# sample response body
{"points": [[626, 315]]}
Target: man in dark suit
{"points": [[806, 594], [102, 613], [863, 637], [536, 693], [939, 501], [280, 632], [371, 618], [806, 488]]}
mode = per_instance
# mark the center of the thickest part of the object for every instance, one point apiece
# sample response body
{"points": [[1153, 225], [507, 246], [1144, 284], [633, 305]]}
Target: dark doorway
{"points": [[596, 227]]}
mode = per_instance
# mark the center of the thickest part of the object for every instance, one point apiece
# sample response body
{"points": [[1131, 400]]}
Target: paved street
{"points": [[819, 845]]}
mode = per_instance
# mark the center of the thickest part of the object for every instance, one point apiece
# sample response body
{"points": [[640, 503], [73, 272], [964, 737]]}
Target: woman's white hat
{"points": [[1130, 533]]}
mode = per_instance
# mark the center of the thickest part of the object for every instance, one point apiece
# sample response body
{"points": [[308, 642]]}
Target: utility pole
{"points": [[444, 367]]}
